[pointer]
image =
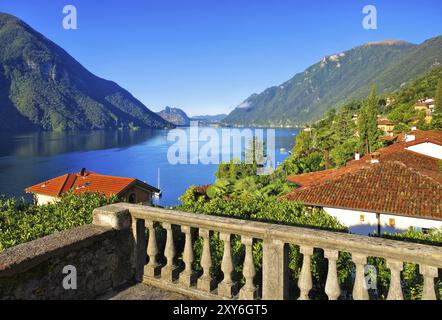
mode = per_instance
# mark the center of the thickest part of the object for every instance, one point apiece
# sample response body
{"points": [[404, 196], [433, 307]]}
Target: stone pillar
{"points": [[248, 291], [305, 282], [112, 216], [429, 274], [187, 277], [332, 288], [275, 273], [139, 232], [205, 282], [152, 269], [227, 287], [169, 272], [359, 290], [395, 290]]}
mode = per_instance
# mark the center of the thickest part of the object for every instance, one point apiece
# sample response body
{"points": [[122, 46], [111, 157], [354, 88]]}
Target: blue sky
{"points": [[207, 56]]}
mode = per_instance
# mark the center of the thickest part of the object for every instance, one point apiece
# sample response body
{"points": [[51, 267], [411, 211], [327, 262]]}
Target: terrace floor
{"points": [[145, 292]]}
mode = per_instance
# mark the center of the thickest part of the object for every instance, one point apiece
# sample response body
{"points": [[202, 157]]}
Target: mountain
{"points": [[208, 119], [175, 115], [43, 87], [336, 79]]}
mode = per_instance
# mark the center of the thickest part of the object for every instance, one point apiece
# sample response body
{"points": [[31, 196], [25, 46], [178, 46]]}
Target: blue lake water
{"points": [[27, 159]]}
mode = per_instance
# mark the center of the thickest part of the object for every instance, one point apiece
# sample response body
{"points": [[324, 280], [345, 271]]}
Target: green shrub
{"points": [[22, 222]]}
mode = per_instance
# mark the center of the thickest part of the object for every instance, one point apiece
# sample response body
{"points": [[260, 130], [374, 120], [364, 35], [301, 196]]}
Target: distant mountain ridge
{"points": [[175, 115], [43, 87], [336, 79], [179, 117], [210, 119]]}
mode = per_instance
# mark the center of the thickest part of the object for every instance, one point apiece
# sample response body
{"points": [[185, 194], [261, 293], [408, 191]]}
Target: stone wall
{"points": [[102, 256]]}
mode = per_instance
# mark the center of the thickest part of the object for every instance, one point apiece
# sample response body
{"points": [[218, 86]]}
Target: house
{"points": [[427, 105], [398, 188], [386, 126], [129, 189]]}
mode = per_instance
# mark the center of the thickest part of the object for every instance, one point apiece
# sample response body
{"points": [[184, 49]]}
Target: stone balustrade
{"points": [[275, 240]]}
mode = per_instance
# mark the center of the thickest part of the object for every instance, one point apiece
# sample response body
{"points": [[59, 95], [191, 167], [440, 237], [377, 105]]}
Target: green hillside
{"points": [[43, 87], [338, 79]]}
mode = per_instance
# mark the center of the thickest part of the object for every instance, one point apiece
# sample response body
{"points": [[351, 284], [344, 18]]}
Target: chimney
{"points": [[357, 156], [83, 172], [410, 137], [375, 156]]}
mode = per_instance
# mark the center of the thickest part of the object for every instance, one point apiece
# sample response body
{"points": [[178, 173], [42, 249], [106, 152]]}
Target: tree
{"points": [[304, 143], [325, 143], [438, 106], [436, 123], [344, 127], [369, 133]]}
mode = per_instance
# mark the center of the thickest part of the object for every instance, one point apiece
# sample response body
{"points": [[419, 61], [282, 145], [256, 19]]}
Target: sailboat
{"points": [[160, 193]]}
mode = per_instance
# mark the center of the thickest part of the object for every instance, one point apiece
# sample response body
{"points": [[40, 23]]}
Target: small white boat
{"points": [[158, 195]]}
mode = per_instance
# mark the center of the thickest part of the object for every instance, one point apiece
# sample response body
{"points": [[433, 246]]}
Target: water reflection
{"points": [[29, 158], [44, 144]]}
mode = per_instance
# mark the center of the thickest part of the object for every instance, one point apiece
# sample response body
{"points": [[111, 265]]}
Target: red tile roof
{"points": [[389, 187], [385, 122], [308, 179], [408, 184], [433, 135], [89, 182]]}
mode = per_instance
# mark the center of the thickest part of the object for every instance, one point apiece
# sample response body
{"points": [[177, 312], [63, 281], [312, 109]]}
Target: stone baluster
{"points": [[332, 288], [140, 257], [360, 288], [152, 269], [205, 282], [275, 271], [429, 274], [187, 277], [227, 287], [395, 290], [248, 291], [305, 277], [169, 271]]}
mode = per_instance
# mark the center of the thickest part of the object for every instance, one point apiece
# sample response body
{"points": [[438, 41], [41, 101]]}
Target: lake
{"points": [[31, 158]]}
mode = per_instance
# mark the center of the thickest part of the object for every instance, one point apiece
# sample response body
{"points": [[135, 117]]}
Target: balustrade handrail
{"points": [[330, 240]]}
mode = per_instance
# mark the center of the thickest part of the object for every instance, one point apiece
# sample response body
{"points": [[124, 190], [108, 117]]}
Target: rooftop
{"points": [[389, 187], [385, 122], [403, 182], [86, 181]]}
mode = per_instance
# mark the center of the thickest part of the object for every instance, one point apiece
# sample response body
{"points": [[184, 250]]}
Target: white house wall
{"points": [[42, 199], [428, 149], [404, 223], [351, 219]]}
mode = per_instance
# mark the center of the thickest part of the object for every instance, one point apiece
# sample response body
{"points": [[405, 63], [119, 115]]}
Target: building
{"points": [[386, 126], [129, 189], [426, 105], [398, 188]]}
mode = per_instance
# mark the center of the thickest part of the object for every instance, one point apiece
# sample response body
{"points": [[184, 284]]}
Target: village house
{"points": [[397, 188], [427, 105], [386, 126], [128, 189]]}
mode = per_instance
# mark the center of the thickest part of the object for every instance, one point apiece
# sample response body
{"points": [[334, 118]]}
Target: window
{"points": [[132, 198], [362, 218], [420, 229], [392, 222], [416, 229]]}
